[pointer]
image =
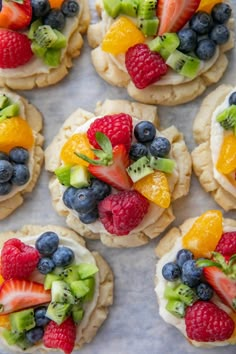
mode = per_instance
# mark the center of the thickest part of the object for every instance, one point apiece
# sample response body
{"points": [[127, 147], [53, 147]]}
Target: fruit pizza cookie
{"points": [[196, 279], [21, 153], [39, 39], [116, 174], [214, 159], [54, 292], [166, 51]]}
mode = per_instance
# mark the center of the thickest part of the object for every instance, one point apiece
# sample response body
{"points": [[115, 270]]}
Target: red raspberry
{"points": [[18, 260], [144, 66], [118, 128], [60, 336], [15, 49], [120, 213], [206, 322], [227, 244]]}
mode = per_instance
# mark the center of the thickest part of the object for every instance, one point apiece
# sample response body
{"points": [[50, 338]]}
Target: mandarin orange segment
{"points": [[232, 339], [5, 321], [77, 143], [1, 279], [122, 35], [55, 4], [207, 5], [15, 131], [204, 234], [155, 188], [227, 158]]}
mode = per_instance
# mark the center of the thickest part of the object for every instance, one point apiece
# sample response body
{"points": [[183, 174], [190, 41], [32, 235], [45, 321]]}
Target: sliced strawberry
{"points": [[174, 14], [18, 294], [14, 15], [224, 287], [114, 174]]}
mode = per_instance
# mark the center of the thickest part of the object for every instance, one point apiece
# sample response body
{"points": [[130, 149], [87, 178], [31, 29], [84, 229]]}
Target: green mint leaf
{"points": [[207, 263], [105, 143]]}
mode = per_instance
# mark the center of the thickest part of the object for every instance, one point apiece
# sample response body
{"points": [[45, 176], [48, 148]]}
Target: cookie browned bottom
{"points": [[35, 120], [106, 283], [180, 154]]}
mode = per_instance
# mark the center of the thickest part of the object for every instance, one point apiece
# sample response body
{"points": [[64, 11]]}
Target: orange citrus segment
{"points": [[204, 234], [227, 159], [155, 188], [122, 35], [55, 4], [232, 339], [207, 5], [1, 279], [15, 131], [5, 321], [77, 143]]}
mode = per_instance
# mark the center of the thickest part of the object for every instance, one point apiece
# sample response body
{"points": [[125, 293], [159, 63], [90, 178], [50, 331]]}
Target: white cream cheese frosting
{"points": [[216, 140], [82, 255]]}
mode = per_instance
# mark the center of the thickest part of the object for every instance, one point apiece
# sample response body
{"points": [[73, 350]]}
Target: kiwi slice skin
{"points": [[139, 169]]}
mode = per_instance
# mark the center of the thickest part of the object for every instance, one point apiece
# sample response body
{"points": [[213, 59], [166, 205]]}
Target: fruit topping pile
{"points": [[202, 278], [46, 312], [16, 139], [226, 163], [32, 27], [112, 172], [157, 35]]}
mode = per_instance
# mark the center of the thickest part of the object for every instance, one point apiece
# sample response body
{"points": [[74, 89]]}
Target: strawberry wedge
{"points": [[174, 14], [15, 15], [222, 284], [18, 294]]}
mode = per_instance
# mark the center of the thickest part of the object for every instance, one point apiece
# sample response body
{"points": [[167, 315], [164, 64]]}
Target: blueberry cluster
{"points": [[52, 255], [36, 334], [13, 169], [147, 142], [56, 18], [205, 32], [186, 270], [85, 200]]}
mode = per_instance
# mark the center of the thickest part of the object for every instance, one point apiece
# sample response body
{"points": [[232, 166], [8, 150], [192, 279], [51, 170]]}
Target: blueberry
{"points": [[45, 265], [70, 8], [232, 98], [201, 22], [219, 34], [144, 131], [34, 335], [90, 217], [206, 49], [5, 188], [171, 271], [55, 19], [182, 256], [221, 12], [63, 256], [204, 291], [20, 175], [19, 155], [68, 197], [191, 274], [84, 200], [47, 243], [39, 315], [40, 8], [137, 151], [100, 189], [6, 171], [188, 40], [4, 156], [160, 147]]}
